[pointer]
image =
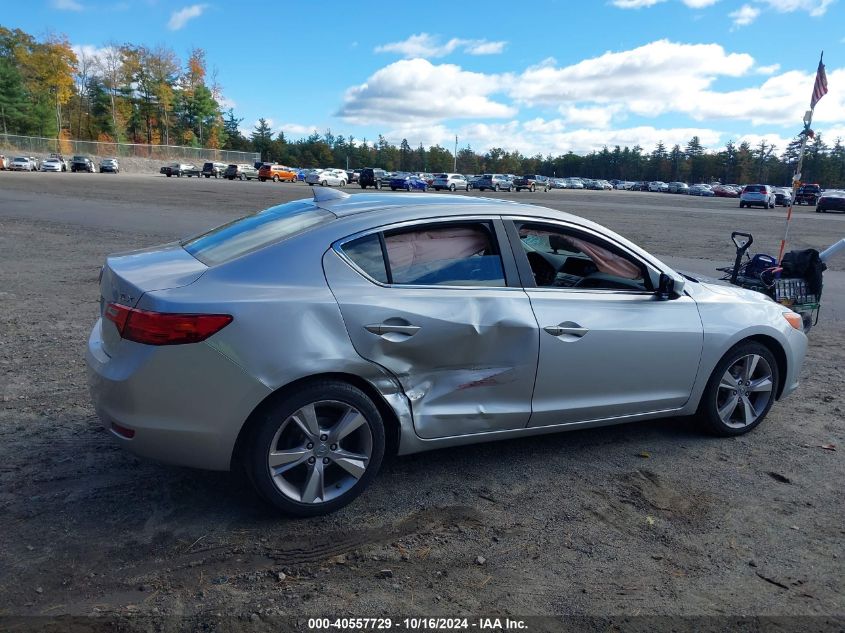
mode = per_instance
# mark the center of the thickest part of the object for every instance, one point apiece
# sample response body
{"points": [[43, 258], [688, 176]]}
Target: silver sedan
{"points": [[305, 341]]}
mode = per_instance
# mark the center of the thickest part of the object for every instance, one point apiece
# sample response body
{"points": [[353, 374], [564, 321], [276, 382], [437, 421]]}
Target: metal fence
{"points": [[32, 145]]}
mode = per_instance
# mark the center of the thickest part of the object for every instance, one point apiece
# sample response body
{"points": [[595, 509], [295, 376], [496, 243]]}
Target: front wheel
{"points": [[741, 390], [452, 188], [275, 179], [317, 449]]}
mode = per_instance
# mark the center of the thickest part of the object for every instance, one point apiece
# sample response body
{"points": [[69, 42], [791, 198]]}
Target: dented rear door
{"points": [[466, 357]]}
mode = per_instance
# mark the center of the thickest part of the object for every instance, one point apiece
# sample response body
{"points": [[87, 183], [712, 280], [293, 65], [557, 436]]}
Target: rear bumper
{"points": [[185, 403]]}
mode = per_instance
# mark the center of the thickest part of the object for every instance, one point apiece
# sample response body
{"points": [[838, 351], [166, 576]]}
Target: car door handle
{"points": [[387, 328], [571, 330]]}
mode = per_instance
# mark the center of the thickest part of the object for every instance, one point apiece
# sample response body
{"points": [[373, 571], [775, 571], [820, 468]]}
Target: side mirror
{"points": [[667, 287]]}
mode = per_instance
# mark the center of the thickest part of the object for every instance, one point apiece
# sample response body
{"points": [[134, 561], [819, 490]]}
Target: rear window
{"points": [[754, 189], [208, 166], [255, 231]]}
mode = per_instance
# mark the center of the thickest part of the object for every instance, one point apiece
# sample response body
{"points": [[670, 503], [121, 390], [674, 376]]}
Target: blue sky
{"points": [[550, 77]]}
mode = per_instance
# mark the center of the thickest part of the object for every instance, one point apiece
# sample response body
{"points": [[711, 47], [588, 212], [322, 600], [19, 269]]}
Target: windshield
{"points": [[252, 232]]}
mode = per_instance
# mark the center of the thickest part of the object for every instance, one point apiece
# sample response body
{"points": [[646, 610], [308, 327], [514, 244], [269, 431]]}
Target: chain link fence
{"points": [[34, 145]]}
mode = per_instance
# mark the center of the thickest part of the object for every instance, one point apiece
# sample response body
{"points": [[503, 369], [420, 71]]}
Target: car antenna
{"points": [[325, 194]]}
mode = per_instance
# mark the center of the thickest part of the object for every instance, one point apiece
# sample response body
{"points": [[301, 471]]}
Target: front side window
{"points": [[454, 254], [560, 258]]}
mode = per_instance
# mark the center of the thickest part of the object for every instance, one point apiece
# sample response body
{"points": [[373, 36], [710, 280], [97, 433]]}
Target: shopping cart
{"points": [[795, 282]]}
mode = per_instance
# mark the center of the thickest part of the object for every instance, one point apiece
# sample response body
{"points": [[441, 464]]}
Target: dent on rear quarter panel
{"points": [[287, 324]]}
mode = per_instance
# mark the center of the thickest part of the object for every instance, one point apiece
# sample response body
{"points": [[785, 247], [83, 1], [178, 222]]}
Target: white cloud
{"points": [[295, 129], [592, 117], [178, 19], [539, 136], [814, 7], [744, 16], [648, 80], [426, 45], [640, 4], [635, 4], [66, 5], [415, 91], [767, 70]]}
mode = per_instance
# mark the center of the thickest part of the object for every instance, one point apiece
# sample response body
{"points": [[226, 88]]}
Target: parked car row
{"points": [[58, 163]]}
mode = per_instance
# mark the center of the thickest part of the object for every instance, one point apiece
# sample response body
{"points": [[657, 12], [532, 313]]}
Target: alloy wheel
{"points": [[744, 391], [320, 452]]}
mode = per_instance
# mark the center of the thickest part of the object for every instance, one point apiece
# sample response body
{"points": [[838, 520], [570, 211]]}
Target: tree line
{"points": [[139, 94]]}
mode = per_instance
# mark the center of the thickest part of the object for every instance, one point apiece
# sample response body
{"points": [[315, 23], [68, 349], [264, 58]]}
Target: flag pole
{"points": [[821, 80]]}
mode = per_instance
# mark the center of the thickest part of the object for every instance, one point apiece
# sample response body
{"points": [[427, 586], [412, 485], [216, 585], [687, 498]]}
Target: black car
{"points": [[353, 175], [373, 177], [179, 170], [831, 201], [82, 163], [808, 194], [213, 169]]}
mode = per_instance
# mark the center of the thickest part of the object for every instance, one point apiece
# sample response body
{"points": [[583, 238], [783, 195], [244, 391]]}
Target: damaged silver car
{"points": [[305, 341]]}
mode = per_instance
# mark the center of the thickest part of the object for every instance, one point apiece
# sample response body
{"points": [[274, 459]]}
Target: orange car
{"points": [[276, 173]]}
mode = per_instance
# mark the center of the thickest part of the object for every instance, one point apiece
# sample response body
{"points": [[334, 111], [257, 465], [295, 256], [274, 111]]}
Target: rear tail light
{"points": [[163, 328]]}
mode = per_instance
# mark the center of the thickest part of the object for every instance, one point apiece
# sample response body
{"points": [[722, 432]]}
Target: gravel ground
{"points": [[646, 519]]}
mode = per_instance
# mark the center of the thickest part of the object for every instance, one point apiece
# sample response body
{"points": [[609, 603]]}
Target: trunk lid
{"points": [[127, 276]]}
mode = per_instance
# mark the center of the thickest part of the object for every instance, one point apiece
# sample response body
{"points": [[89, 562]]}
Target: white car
{"points": [[22, 163], [574, 183], [452, 182], [658, 185], [757, 195], [327, 178], [53, 164]]}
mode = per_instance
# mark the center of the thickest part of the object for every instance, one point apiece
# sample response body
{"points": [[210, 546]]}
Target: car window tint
{"points": [[255, 231], [366, 253], [567, 259], [453, 255]]}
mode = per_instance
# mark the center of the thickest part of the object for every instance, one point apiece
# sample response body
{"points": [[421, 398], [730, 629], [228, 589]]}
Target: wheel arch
{"points": [[388, 415], [774, 346]]}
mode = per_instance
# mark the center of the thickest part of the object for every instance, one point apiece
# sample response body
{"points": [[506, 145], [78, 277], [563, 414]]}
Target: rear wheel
{"points": [[317, 449], [741, 390], [452, 187]]}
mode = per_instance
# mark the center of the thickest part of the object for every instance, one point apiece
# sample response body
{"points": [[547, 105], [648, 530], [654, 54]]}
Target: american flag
{"points": [[820, 88]]}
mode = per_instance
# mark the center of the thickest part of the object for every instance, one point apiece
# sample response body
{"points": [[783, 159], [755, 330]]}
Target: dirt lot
{"points": [[645, 519]]}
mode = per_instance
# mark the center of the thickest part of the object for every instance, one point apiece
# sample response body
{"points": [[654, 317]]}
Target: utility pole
{"points": [[455, 157]]}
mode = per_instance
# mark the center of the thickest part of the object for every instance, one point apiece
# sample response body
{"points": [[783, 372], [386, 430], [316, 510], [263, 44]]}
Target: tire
{"points": [[496, 188], [300, 435], [741, 205], [437, 188], [469, 187], [363, 186], [378, 185], [208, 175], [342, 183], [532, 189], [726, 411], [275, 179], [452, 187], [408, 188], [168, 175], [323, 183], [242, 178]]}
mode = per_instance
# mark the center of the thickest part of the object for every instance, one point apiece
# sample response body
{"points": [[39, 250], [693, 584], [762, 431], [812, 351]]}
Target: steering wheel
{"points": [[599, 280], [544, 272]]}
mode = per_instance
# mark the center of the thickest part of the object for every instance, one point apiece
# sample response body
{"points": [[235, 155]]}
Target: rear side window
{"points": [[454, 254], [366, 253], [255, 231]]}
